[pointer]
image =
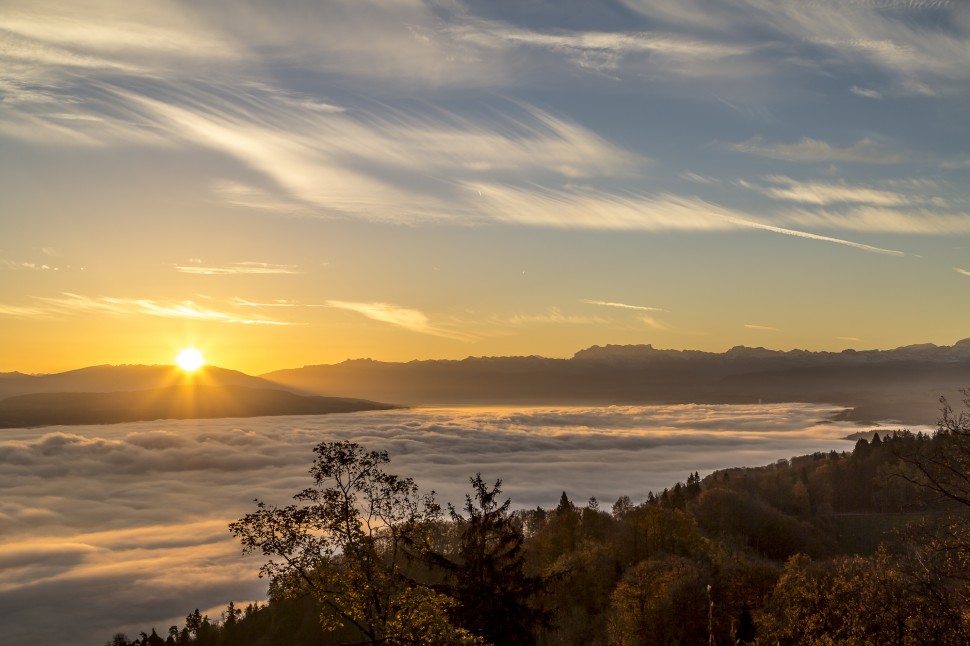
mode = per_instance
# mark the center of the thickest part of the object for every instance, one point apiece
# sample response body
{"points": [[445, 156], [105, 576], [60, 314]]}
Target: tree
{"points": [[495, 595], [940, 546], [193, 622], [660, 601], [855, 600], [421, 619], [230, 624], [943, 464], [344, 542]]}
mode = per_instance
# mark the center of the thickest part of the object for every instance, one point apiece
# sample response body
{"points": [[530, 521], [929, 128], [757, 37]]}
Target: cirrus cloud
{"points": [[405, 317], [71, 304]]}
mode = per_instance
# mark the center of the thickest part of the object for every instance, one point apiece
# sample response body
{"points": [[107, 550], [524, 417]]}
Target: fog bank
{"points": [[123, 527]]}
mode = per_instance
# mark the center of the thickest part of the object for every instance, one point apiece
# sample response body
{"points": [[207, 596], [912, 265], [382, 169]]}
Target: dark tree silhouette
{"points": [[344, 543], [943, 465], [495, 595]]}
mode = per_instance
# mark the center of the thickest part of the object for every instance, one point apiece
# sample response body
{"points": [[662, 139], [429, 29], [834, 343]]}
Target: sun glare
{"points": [[190, 360]]}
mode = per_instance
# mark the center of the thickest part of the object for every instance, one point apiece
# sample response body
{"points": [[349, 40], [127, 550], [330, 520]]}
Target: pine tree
{"points": [[495, 595]]}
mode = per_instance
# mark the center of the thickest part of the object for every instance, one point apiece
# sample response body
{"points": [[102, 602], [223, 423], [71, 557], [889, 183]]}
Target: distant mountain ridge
{"points": [[959, 351], [173, 402], [107, 378], [902, 383]]}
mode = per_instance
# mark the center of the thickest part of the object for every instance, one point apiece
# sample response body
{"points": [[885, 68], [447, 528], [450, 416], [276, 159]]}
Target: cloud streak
{"points": [[68, 303], [243, 268], [555, 316], [624, 306], [815, 236], [761, 328], [405, 317], [587, 209], [806, 149], [822, 194], [891, 36], [875, 219]]}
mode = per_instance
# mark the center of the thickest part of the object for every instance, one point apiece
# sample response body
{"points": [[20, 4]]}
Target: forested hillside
{"points": [[870, 546]]}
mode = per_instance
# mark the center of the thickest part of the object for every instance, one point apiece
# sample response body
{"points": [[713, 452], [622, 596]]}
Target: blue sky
{"points": [[305, 182]]}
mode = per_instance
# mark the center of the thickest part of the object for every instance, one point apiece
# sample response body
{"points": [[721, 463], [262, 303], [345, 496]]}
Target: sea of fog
{"points": [[123, 527]]}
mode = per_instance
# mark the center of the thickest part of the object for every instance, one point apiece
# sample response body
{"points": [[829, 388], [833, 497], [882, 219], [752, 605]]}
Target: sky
{"points": [[125, 526], [298, 182]]}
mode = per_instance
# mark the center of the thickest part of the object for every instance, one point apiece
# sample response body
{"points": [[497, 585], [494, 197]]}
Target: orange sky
{"points": [[282, 186]]}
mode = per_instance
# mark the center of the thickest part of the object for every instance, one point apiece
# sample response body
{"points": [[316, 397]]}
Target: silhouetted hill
{"points": [[173, 402], [105, 379], [901, 384]]}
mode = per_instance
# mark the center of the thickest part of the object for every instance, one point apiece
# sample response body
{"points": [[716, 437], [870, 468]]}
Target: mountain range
{"points": [[903, 384], [112, 394]]}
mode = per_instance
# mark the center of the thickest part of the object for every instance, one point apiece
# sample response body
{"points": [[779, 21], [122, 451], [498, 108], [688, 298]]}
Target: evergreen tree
{"points": [[495, 595]]}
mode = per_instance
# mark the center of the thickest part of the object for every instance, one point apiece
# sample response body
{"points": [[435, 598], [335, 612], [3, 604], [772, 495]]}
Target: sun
{"points": [[190, 360]]}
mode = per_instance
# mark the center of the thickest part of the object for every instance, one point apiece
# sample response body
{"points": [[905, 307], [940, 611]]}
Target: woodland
{"points": [[869, 546]]}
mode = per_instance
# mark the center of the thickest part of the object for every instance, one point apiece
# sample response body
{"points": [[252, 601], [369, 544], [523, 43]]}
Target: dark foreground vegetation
{"points": [[870, 546]]}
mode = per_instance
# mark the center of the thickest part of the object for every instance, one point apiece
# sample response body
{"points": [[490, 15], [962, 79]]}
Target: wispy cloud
{"points": [[761, 328], [865, 92], [590, 209], [813, 150], [339, 163], [118, 34], [875, 219], [853, 339], [24, 312], [698, 179], [580, 207], [615, 52], [915, 57], [555, 316], [405, 317], [248, 267], [69, 303], [18, 265], [815, 236], [276, 303], [641, 308], [655, 323], [965, 272], [819, 193]]}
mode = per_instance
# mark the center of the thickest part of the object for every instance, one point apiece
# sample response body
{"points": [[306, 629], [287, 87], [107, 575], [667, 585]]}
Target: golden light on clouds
{"points": [[190, 360]]}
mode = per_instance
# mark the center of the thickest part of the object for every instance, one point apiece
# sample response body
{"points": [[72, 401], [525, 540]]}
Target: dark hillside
{"points": [[175, 402], [901, 384], [106, 379]]}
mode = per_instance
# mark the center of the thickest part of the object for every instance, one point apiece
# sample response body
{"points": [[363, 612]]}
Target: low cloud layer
{"points": [[123, 527]]}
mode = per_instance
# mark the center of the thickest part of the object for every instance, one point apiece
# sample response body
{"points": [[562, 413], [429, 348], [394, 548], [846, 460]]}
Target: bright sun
{"points": [[190, 360]]}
